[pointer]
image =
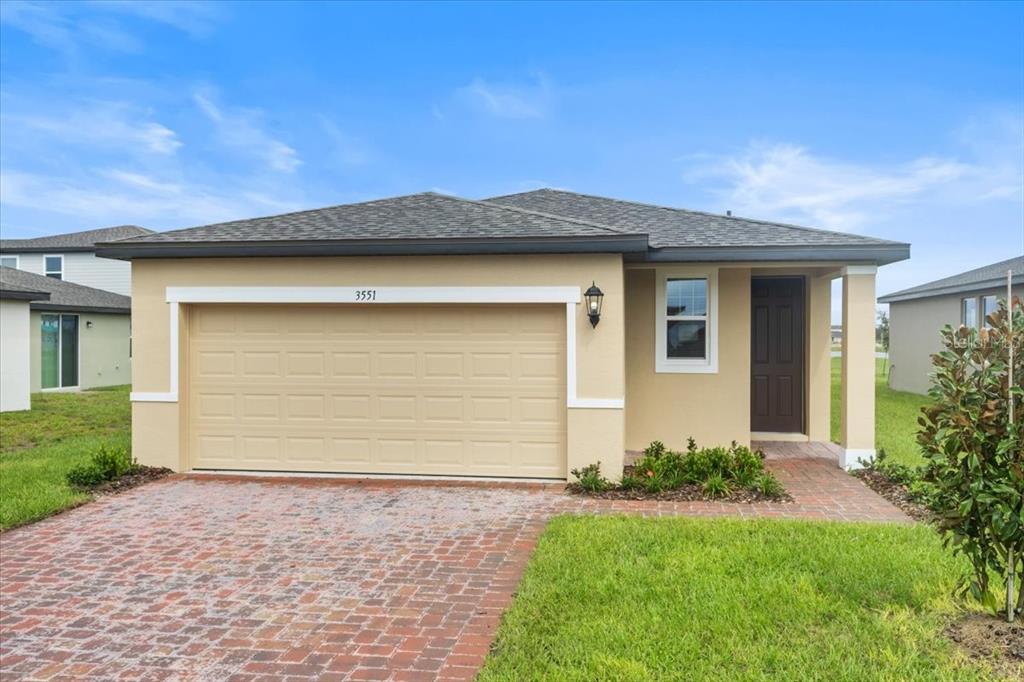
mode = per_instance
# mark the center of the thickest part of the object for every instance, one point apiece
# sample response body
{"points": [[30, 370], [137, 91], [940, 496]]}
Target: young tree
{"points": [[974, 447]]}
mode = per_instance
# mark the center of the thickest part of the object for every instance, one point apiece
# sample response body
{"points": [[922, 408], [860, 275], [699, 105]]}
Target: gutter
{"points": [[390, 247], [879, 254], [12, 295], [65, 307]]}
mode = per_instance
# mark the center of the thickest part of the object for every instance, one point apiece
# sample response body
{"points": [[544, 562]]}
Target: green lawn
{"points": [[624, 598], [39, 446], [896, 415]]}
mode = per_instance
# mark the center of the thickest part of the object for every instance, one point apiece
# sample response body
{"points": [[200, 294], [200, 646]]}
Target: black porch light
{"points": [[594, 297]]}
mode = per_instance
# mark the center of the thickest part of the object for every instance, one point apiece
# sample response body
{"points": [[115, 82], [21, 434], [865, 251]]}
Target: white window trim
{"points": [[17, 259], [568, 296], [978, 315], [664, 364], [47, 271]]}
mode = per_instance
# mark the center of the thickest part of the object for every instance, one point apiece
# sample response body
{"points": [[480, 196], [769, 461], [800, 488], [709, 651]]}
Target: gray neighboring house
{"points": [[67, 337], [916, 316], [72, 257]]}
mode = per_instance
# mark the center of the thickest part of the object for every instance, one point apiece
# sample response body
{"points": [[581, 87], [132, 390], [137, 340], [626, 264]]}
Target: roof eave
{"points": [[10, 295], [47, 249], [71, 307], [390, 247], [987, 284], [879, 254]]}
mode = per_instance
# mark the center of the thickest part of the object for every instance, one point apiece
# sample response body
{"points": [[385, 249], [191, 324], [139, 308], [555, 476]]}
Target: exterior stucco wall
{"points": [[14, 356], [914, 328], [593, 434], [714, 409], [103, 349]]}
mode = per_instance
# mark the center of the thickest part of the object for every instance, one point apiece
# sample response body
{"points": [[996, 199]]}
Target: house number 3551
{"points": [[366, 294]]}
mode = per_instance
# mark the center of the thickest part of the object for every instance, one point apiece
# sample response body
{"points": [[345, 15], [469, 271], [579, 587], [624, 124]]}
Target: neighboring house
{"points": [[69, 337], [918, 314], [15, 375], [837, 334], [72, 257], [432, 335]]}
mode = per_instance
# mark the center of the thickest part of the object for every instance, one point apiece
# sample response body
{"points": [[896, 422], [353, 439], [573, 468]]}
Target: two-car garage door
{"points": [[380, 389]]}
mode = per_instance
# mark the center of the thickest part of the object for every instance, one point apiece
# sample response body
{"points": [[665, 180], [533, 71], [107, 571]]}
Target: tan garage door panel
{"points": [[444, 390]]}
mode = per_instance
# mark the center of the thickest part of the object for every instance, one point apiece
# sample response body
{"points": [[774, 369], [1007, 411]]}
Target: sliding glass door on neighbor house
{"points": [[60, 351]]}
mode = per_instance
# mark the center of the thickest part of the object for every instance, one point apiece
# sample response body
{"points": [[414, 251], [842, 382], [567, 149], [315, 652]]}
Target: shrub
{"points": [[974, 448], [716, 486], [589, 478], [745, 466], [768, 485], [106, 464]]}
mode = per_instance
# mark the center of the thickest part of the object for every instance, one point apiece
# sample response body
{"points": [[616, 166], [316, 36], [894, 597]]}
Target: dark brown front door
{"points": [[777, 354]]}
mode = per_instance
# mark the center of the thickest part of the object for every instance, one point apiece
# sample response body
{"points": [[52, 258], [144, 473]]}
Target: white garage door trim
{"points": [[369, 295]]}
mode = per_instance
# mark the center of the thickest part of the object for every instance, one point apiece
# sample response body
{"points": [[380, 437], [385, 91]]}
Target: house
{"points": [[72, 257], [60, 336], [918, 314], [837, 334], [520, 336], [15, 376]]}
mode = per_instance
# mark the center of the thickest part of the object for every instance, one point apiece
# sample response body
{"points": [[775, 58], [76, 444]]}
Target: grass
{"points": [[38, 447], [896, 415], [625, 598]]}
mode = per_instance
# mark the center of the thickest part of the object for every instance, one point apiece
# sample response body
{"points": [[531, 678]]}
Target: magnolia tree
{"points": [[973, 441]]}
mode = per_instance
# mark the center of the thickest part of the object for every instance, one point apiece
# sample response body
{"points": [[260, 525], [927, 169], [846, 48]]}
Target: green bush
{"points": [[768, 485], [718, 470], [106, 464], [589, 478]]}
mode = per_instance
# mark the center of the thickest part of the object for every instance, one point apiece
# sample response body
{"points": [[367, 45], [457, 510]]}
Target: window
{"points": [[969, 312], [988, 306], [59, 358], [686, 320], [9, 261], [54, 266]]}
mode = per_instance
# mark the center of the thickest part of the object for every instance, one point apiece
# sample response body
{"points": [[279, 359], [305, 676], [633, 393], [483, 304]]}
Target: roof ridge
{"points": [[703, 213], [517, 209]]}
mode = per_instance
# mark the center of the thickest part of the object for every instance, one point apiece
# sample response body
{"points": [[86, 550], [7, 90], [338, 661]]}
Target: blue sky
{"points": [[903, 121]]}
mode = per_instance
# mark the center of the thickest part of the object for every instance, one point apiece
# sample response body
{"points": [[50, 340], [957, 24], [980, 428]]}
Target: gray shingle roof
{"points": [[416, 216], [10, 290], [544, 221], [676, 227], [72, 241], [986, 277], [63, 295]]}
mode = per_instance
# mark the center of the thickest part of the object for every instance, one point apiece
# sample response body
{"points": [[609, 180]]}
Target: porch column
{"points": [[857, 403]]}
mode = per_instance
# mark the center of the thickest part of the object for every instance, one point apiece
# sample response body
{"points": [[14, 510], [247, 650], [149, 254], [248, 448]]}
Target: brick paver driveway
{"points": [[193, 578]]}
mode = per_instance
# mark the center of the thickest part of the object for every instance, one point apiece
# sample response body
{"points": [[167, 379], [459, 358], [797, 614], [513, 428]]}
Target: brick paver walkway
{"points": [[247, 579]]}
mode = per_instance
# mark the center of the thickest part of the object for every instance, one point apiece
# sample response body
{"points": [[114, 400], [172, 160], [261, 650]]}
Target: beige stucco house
{"points": [[60, 336], [918, 314], [432, 335]]}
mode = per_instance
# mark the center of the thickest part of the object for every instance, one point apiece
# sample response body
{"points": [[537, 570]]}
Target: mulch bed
{"points": [[894, 492], [996, 642], [141, 475], [688, 493]]}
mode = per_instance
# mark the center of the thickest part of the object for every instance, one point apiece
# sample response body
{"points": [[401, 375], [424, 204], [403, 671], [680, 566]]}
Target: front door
{"points": [[777, 354]]}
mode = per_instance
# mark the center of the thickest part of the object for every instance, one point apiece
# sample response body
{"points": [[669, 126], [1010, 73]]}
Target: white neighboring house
{"points": [[15, 374], [72, 257]]}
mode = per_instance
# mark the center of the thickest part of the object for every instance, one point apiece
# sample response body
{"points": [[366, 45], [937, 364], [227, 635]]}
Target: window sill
{"points": [[669, 367]]}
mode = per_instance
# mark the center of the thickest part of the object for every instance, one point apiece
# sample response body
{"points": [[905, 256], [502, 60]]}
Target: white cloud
{"points": [[505, 100], [785, 181], [345, 149], [68, 26], [113, 125], [241, 130], [110, 196]]}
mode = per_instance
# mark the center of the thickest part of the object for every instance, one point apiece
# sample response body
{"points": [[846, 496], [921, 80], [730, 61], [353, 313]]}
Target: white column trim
{"points": [[858, 270], [852, 458], [369, 295]]}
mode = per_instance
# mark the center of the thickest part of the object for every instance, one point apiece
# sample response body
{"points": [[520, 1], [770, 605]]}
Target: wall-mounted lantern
{"points": [[594, 296]]}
